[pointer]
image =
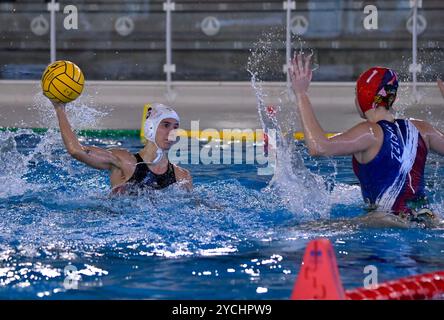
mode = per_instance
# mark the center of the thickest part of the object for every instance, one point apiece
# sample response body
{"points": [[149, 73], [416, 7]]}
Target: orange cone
{"points": [[319, 276]]}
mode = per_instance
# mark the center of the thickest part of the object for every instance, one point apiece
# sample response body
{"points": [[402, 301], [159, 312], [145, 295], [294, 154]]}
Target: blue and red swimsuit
{"points": [[394, 180]]}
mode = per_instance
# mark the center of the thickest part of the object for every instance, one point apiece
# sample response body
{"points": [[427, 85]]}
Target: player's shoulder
{"points": [[365, 126], [421, 125], [122, 153], [181, 171], [366, 129], [419, 122]]}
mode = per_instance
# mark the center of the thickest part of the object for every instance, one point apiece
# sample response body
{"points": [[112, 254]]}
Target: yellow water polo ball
{"points": [[62, 81]]}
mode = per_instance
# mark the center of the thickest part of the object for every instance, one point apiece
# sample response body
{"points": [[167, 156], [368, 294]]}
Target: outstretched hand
{"points": [[300, 73], [441, 86]]}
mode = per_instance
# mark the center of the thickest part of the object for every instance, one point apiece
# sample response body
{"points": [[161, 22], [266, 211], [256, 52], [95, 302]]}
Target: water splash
{"points": [[292, 180], [16, 166], [13, 165], [66, 216], [81, 112], [53, 205], [432, 68], [53, 221], [66, 213]]}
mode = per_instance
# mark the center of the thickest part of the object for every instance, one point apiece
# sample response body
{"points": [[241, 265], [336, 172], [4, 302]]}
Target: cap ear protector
{"points": [[376, 87], [154, 116]]}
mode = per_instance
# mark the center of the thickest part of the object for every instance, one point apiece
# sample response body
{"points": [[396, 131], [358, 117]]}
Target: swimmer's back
{"points": [[383, 181], [368, 155]]}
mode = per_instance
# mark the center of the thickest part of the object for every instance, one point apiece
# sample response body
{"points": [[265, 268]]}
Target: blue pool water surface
{"points": [[231, 238]]}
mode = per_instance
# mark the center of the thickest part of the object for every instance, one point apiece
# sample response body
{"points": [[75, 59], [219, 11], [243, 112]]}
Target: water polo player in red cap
{"points": [[389, 154]]}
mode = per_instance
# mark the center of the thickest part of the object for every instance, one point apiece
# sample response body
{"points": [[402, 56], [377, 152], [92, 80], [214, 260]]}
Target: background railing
{"points": [[211, 40]]}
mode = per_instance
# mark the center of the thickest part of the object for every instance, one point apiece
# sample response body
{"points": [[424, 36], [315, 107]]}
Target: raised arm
{"points": [[358, 139], [433, 137], [93, 156]]}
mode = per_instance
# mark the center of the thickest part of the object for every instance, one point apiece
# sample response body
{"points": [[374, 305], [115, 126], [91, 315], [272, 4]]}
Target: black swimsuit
{"points": [[143, 178]]}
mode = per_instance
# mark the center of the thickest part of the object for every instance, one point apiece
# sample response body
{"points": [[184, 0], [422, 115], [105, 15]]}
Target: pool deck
{"points": [[217, 105]]}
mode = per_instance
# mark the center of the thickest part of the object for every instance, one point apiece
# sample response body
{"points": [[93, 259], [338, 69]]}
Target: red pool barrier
{"points": [[319, 280], [419, 287]]}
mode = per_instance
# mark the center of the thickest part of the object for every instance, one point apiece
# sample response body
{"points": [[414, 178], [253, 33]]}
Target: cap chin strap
{"points": [[159, 155]]}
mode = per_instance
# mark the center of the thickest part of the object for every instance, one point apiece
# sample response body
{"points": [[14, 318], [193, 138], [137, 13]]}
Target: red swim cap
{"points": [[376, 87]]}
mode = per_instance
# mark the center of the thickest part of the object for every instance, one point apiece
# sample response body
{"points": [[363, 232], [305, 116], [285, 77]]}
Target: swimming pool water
{"points": [[231, 238]]}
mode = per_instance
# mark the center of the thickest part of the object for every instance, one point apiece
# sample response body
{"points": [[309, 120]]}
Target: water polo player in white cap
{"points": [[130, 173]]}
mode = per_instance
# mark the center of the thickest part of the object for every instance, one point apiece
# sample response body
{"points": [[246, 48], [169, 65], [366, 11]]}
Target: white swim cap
{"points": [[155, 114]]}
